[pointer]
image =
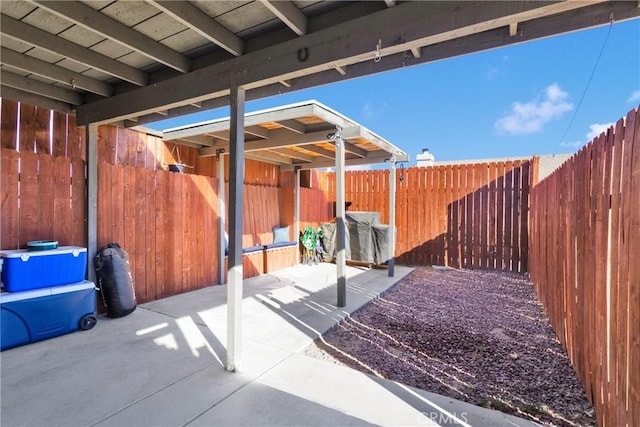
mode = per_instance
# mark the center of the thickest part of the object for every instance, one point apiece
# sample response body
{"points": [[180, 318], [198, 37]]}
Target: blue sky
{"points": [[512, 101]]}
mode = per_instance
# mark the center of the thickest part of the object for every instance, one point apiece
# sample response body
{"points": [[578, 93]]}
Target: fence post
{"points": [[236, 194], [92, 197], [222, 243], [535, 170], [392, 215], [341, 256]]}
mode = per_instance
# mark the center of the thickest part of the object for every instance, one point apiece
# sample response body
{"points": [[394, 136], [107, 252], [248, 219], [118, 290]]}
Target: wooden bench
{"points": [[264, 259]]}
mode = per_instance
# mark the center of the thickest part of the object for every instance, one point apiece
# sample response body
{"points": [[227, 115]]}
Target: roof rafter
{"points": [[375, 157], [355, 149], [91, 19], [33, 99], [293, 125], [202, 24], [265, 156], [278, 139], [320, 151], [29, 34], [330, 46], [40, 88], [591, 16], [54, 72], [293, 153], [288, 13], [258, 131]]}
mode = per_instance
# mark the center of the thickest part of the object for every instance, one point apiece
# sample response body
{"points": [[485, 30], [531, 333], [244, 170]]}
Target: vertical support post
{"points": [[236, 182], [341, 255], [392, 216], [222, 213], [92, 198], [296, 208]]}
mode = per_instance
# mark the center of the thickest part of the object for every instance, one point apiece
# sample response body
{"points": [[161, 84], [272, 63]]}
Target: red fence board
{"points": [[583, 239], [461, 215]]}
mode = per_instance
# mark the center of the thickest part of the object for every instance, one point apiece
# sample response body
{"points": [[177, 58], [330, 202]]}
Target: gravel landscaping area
{"points": [[477, 336]]}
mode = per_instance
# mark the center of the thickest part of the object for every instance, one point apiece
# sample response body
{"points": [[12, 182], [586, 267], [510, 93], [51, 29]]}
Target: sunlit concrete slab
{"points": [[306, 391], [183, 401], [81, 378], [163, 365]]}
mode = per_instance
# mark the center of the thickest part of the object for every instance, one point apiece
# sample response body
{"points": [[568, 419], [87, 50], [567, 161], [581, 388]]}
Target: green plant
{"points": [[311, 241]]}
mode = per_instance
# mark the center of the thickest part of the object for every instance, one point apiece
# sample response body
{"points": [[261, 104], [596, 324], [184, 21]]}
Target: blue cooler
{"points": [[40, 314], [23, 270]]}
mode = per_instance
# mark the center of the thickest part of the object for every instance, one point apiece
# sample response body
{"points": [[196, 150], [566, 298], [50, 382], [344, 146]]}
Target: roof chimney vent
{"points": [[425, 158]]}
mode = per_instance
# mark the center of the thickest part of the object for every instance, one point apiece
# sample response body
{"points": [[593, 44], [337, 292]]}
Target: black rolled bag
{"points": [[115, 281]]}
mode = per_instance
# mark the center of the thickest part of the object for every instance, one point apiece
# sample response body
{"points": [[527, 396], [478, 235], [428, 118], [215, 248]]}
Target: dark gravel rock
{"points": [[477, 336]]}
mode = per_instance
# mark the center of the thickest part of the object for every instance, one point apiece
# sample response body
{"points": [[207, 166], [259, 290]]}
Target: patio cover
{"points": [[299, 136], [296, 136]]}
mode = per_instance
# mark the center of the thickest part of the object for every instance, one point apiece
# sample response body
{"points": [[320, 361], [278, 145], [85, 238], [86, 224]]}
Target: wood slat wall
{"points": [[167, 222], [584, 246], [41, 131], [151, 215], [43, 198], [467, 215]]}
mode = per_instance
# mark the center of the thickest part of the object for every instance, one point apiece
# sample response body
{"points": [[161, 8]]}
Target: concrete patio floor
{"points": [[163, 365]]}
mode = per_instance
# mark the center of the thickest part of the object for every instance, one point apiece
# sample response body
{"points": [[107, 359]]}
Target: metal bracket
{"points": [[297, 167], [219, 152]]}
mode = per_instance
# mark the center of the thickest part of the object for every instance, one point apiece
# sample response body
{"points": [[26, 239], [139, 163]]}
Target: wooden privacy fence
{"points": [[314, 208], [43, 198], [166, 221], [585, 249], [467, 215]]}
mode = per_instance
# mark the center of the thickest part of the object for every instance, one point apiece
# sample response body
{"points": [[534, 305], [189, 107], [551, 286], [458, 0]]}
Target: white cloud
{"points": [[597, 128], [359, 168], [530, 117], [634, 97], [371, 111], [594, 131], [574, 144]]}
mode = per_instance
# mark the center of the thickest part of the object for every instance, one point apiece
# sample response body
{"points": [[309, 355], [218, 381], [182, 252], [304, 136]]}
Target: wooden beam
{"points": [[267, 157], [288, 13], [351, 148], [390, 3], [424, 23], [223, 135], [40, 88], [288, 153], [258, 131], [377, 158], [293, 125], [54, 72], [93, 20], [319, 150], [416, 52], [285, 83], [203, 24], [590, 16], [513, 29], [341, 70], [252, 119], [362, 132], [199, 140], [279, 139], [29, 34], [33, 99]]}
